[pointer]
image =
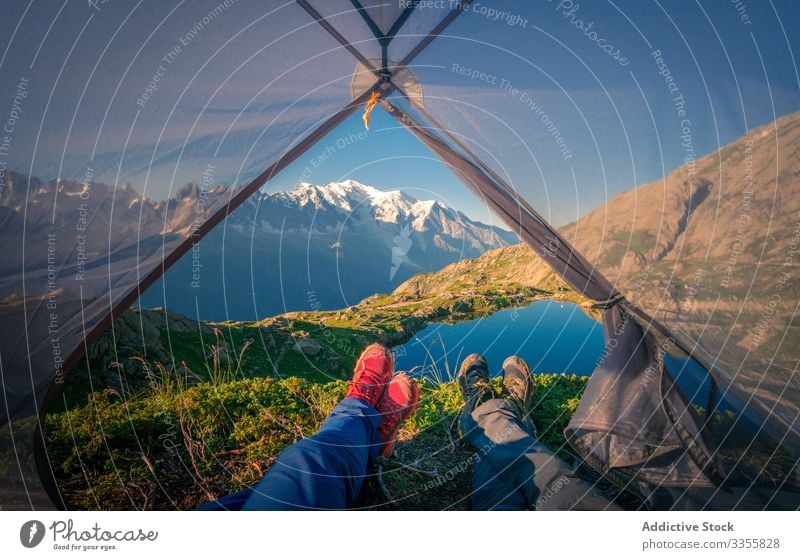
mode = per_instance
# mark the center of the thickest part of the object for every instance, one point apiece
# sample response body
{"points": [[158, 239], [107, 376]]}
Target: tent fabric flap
{"points": [[636, 423], [621, 422]]}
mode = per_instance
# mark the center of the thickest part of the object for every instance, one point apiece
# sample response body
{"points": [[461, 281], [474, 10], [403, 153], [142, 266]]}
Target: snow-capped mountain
{"points": [[349, 205], [318, 246]]}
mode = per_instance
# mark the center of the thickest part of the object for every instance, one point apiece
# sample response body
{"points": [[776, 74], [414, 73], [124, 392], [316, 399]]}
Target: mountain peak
{"points": [[351, 188], [347, 203], [352, 196]]}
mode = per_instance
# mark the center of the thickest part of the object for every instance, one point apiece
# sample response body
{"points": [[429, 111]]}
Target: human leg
{"points": [[516, 464], [490, 491], [326, 470]]}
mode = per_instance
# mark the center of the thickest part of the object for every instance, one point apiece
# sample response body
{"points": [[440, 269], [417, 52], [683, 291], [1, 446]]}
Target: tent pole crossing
{"points": [[384, 39], [400, 21], [362, 11]]}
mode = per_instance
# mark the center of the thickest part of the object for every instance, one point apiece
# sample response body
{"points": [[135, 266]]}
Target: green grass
{"points": [[177, 447]]}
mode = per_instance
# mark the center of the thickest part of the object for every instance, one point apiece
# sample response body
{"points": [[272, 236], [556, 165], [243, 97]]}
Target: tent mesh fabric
{"points": [[691, 406]]}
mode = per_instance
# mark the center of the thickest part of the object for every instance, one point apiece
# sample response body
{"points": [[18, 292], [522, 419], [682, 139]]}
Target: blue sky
{"points": [[260, 75]]}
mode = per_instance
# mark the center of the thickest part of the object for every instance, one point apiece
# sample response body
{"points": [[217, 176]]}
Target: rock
{"points": [[307, 346], [170, 320], [333, 363], [276, 322], [268, 340]]}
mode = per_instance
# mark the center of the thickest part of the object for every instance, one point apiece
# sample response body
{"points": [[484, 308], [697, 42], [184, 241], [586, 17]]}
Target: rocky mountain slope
{"points": [[91, 219], [710, 251]]}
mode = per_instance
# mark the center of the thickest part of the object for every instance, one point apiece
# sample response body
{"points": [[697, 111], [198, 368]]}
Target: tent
{"points": [[680, 411]]}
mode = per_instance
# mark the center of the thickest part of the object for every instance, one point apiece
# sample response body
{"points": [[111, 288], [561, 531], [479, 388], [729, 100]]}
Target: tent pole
{"points": [[461, 145], [236, 200], [400, 21], [335, 34], [362, 11], [436, 31], [385, 39]]}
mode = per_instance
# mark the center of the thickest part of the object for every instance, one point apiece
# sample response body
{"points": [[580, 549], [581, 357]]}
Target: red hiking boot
{"points": [[371, 375], [399, 402]]}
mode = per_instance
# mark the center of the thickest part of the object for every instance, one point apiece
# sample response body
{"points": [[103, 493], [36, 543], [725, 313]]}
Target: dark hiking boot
{"points": [[398, 403], [474, 381], [518, 389], [371, 375]]}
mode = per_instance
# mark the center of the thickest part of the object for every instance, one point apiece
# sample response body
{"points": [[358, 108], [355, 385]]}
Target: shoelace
{"points": [[366, 387], [477, 384], [391, 420], [515, 387]]}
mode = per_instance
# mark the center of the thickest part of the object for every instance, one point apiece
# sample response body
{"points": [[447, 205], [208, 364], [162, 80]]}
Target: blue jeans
{"points": [[324, 471], [515, 471]]}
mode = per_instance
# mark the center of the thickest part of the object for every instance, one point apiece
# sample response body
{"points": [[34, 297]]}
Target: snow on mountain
{"points": [[342, 242], [341, 205]]}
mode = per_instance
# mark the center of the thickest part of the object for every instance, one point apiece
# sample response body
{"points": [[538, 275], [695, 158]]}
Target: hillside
{"points": [[696, 211], [710, 251], [513, 266]]}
